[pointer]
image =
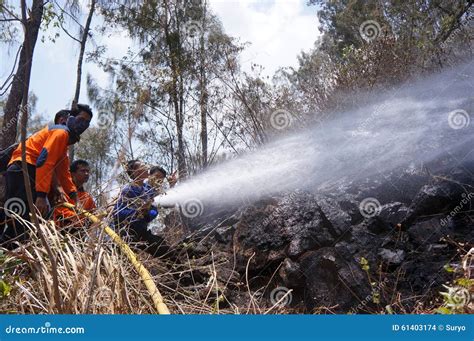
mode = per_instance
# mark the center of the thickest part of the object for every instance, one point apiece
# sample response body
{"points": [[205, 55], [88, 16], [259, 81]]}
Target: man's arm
{"points": [[173, 178], [151, 213], [65, 178], [123, 208], [87, 201], [54, 150]]}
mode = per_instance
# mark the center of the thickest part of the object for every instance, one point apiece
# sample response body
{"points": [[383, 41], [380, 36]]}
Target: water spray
{"points": [[413, 124]]}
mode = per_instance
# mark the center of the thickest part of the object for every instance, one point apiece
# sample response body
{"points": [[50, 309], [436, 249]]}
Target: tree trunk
{"points": [[203, 100], [176, 92], [30, 24], [181, 155], [12, 106], [85, 34]]}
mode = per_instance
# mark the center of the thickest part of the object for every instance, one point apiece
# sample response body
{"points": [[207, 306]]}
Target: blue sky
{"points": [[278, 31]]}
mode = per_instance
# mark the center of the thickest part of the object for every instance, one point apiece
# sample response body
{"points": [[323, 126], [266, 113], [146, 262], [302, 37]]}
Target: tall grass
{"points": [[96, 278]]}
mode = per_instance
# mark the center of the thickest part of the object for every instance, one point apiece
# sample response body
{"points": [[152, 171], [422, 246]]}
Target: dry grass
{"points": [[93, 277], [96, 278]]}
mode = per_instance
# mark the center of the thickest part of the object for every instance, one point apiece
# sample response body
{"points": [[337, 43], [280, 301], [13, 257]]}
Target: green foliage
{"points": [[457, 296], [413, 37], [174, 82], [449, 268], [389, 310], [376, 296], [5, 289], [416, 22], [7, 267], [364, 263], [464, 282], [445, 311], [9, 30], [53, 20]]}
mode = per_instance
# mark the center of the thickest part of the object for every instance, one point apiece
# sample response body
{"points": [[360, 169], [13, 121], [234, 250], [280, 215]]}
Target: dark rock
{"points": [[330, 280], [433, 199], [362, 237], [224, 234], [427, 232], [315, 243], [290, 227], [422, 274], [346, 249], [291, 274], [389, 217], [392, 257], [339, 219]]}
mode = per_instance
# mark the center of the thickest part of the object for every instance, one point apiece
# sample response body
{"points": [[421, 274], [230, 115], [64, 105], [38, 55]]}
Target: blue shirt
{"points": [[131, 199]]}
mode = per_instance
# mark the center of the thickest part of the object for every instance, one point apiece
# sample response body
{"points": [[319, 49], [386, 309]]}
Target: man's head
{"points": [[158, 172], [79, 120], [137, 170], [61, 117], [80, 170], [157, 175], [82, 111]]}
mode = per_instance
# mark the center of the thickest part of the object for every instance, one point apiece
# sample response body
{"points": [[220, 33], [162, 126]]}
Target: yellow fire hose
{"points": [[142, 271]]}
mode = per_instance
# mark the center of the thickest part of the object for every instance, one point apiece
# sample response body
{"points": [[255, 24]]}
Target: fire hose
{"points": [[160, 306]]}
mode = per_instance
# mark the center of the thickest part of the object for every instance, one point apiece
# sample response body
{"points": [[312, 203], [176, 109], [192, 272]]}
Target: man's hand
{"points": [[42, 205], [59, 195], [173, 179], [144, 208], [73, 196]]}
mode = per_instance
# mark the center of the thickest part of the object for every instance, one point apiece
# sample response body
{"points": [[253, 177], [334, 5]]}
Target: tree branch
{"points": [[7, 20], [65, 31], [12, 72], [11, 13], [69, 15]]}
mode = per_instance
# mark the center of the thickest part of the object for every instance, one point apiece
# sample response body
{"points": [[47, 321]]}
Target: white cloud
{"points": [[277, 30]]}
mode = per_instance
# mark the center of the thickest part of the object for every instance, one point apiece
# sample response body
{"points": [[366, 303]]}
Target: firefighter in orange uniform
{"points": [[63, 216], [46, 155]]}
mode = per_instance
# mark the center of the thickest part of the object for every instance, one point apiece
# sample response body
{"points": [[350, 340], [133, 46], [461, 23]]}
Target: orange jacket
{"points": [[84, 201], [47, 150]]}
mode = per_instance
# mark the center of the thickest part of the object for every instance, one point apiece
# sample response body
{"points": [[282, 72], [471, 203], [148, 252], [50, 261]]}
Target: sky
{"points": [[277, 30]]}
